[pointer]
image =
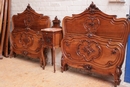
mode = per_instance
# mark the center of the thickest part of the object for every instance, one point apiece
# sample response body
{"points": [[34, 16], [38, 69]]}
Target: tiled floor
{"points": [[24, 72]]}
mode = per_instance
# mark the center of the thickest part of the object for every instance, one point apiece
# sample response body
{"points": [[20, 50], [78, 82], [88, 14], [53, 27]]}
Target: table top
{"points": [[51, 29]]}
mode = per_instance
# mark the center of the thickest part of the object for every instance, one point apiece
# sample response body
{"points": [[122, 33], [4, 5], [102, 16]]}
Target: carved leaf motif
{"points": [[89, 50]]}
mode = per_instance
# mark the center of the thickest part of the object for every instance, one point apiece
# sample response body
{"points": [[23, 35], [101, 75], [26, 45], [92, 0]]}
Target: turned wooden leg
{"points": [[62, 67], [62, 64], [41, 61], [53, 58], [45, 55]]}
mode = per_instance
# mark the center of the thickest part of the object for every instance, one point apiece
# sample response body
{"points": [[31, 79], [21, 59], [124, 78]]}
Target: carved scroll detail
{"points": [[26, 40], [87, 67], [117, 75], [67, 43], [91, 25], [28, 20], [89, 50], [109, 63]]}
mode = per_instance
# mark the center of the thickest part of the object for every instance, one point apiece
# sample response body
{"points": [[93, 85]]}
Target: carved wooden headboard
{"points": [[95, 41], [94, 22], [30, 19], [26, 36]]}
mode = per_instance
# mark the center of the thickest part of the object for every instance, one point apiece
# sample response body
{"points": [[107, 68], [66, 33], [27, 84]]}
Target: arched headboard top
{"points": [[30, 19], [94, 21]]}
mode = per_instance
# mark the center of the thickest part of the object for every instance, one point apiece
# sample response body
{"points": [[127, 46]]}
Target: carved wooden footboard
{"points": [[95, 41]]}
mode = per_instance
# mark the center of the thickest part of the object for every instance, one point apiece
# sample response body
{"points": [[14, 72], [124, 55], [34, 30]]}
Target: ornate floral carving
{"points": [[87, 67], [89, 50], [48, 40], [28, 21], [114, 51], [91, 24], [25, 53], [26, 40], [67, 43]]}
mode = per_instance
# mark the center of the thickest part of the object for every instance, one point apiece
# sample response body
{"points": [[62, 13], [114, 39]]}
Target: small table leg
{"points": [[53, 57]]}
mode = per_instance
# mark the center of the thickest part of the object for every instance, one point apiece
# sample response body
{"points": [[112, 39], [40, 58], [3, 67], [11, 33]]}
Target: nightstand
{"points": [[52, 39]]}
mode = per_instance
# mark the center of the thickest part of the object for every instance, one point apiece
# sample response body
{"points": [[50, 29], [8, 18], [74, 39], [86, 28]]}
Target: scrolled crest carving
{"points": [[29, 8], [89, 50], [92, 8], [29, 19]]}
